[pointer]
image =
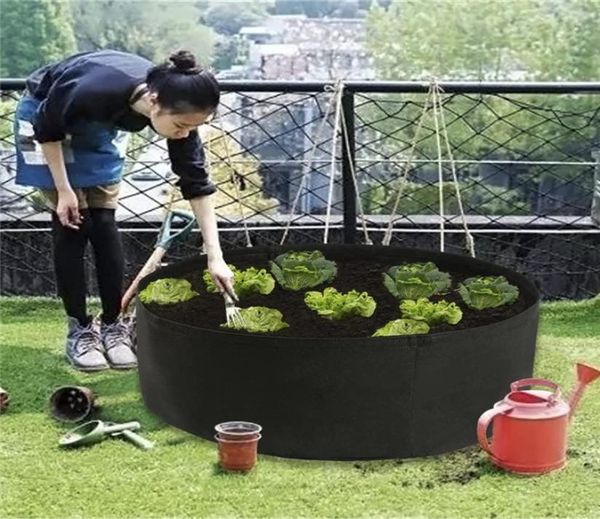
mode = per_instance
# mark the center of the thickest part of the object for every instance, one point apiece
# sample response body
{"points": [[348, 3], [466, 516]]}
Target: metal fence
{"points": [[326, 161]]}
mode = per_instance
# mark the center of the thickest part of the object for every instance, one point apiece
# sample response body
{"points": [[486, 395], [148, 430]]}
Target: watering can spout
{"points": [[585, 375]]}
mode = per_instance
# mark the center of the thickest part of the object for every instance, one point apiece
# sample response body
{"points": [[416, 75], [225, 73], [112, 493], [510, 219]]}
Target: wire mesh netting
{"points": [[525, 165]]}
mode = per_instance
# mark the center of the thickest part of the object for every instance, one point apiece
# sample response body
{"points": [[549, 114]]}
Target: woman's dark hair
{"points": [[183, 86]]}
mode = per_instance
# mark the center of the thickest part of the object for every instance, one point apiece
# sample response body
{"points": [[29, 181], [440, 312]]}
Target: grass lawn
{"points": [[180, 478]]}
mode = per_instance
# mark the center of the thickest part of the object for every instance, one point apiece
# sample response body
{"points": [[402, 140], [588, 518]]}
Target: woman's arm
{"points": [[205, 215], [187, 162], [67, 207]]}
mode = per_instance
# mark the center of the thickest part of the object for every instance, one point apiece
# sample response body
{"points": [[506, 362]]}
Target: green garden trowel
{"points": [[97, 430]]}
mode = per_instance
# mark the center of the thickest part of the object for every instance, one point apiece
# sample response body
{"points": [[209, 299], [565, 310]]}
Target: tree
{"points": [[564, 46], [554, 40], [415, 39], [229, 17], [8, 104], [225, 53], [515, 39], [153, 29], [229, 51], [34, 33], [318, 8]]}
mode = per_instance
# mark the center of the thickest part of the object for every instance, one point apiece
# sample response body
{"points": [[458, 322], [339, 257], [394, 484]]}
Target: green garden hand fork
{"points": [[97, 430], [167, 236], [165, 240]]}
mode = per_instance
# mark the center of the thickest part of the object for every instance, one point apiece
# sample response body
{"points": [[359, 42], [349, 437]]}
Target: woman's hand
{"points": [[207, 220], [67, 209], [222, 276]]}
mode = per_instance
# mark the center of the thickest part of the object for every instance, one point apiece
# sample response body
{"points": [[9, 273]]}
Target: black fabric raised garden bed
{"points": [[324, 390]]}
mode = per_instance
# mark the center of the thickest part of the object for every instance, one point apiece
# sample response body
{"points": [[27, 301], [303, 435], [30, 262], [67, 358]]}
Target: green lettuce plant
{"points": [[487, 292], [248, 281], [332, 304], [301, 270], [432, 313], [402, 327], [260, 319], [167, 291], [415, 280]]}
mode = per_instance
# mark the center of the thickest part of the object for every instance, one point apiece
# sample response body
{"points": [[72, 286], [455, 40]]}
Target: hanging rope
{"points": [[339, 92], [361, 211], [387, 237], [170, 202], [307, 164], [234, 179], [340, 124], [433, 94], [468, 236]]}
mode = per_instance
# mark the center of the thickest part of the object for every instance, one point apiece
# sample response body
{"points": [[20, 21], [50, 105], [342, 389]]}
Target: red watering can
{"points": [[530, 426]]}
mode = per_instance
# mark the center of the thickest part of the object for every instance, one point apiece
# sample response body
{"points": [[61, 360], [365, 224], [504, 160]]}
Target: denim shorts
{"points": [[94, 152]]}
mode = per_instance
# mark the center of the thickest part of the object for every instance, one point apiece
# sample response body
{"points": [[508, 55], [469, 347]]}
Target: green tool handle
{"points": [[165, 237], [137, 440], [119, 427]]}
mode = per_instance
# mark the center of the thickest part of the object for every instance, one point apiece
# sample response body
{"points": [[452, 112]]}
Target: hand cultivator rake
{"points": [[166, 238]]}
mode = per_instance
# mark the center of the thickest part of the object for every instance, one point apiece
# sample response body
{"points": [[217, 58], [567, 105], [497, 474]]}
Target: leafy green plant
{"points": [[167, 291], [332, 304], [304, 269], [415, 280], [248, 281], [260, 319], [432, 313], [487, 292], [402, 327]]}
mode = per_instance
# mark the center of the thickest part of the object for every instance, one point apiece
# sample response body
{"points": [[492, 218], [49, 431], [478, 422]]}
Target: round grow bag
{"points": [[336, 398]]}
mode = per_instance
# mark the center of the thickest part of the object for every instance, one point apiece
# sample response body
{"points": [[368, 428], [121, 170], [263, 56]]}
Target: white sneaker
{"points": [[84, 347], [118, 347]]}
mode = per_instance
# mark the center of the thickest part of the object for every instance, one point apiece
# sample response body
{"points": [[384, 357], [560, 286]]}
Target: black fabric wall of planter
{"points": [[337, 399]]}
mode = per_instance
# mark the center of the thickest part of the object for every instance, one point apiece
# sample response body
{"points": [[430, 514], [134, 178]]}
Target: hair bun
{"points": [[184, 61]]}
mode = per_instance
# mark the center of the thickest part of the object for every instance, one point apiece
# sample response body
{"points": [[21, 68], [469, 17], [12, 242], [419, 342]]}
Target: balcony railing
{"points": [[326, 160]]}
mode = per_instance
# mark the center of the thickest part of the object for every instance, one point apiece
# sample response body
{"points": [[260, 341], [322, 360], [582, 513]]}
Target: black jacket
{"points": [[97, 86]]}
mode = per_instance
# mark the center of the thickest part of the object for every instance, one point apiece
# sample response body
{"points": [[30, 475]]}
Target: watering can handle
{"points": [[515, 386], [484, 422]]}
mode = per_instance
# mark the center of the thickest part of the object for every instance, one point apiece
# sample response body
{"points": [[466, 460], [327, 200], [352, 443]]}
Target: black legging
{"points": [[100, 227]]}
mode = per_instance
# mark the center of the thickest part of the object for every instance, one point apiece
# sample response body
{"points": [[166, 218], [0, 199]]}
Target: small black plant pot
{"points": [[339, 398]]}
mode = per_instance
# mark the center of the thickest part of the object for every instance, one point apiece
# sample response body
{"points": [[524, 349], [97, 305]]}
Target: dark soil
{"points": [[464, 466], [208, 311]]}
